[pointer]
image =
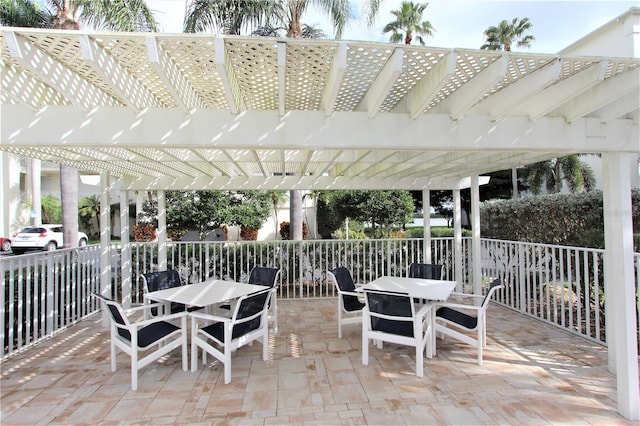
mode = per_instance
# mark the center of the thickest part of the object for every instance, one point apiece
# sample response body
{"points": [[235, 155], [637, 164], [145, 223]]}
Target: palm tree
{"points": [[117, 15], [276, 198], [227, 16], [577, 174], [409, 21], [506, 33]]}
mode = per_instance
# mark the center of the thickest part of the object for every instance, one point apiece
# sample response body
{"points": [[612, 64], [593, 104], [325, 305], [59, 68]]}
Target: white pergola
{"points": [[182, 111]]}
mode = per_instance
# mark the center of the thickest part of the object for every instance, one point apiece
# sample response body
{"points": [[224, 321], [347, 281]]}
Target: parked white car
{"points": [[42, 237]]}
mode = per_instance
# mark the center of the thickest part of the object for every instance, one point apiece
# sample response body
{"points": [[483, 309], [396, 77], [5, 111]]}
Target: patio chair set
{"points": [[390, 315], [423, 308], [217, 329]]}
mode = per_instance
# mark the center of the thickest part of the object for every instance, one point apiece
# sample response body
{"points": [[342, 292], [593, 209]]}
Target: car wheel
{"points": [[82, 243], [6, 246], [51, 246]]}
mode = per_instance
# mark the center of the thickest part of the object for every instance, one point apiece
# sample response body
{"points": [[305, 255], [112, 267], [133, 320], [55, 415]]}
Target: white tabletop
{"points": [[420, 288], [205, 293]]}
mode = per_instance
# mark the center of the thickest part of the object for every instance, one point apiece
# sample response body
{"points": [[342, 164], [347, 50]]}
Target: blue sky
{"points": [[461, 23]]}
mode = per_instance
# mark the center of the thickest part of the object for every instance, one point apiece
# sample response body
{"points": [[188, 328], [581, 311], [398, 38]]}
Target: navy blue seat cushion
{"points": [[458, 317], [154, 332], [345, 283], [263, 276], [248, 307]]}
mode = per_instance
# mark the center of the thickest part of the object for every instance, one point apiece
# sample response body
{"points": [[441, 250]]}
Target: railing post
{"points": [[50, 291], [125, 251], [521, 278]]}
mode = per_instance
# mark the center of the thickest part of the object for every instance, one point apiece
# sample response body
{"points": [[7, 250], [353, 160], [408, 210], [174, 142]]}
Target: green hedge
{"points": [[565, 219]]}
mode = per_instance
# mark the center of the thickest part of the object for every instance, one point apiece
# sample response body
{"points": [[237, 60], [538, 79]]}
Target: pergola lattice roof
{"points": [[197, 111]]}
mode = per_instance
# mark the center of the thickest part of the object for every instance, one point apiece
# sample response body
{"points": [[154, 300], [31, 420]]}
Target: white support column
{"points": [[162, 231], [619, 283], [105, 237], [476, 249], [36, 191], [457, 238], [125, 251], [426, 220]]}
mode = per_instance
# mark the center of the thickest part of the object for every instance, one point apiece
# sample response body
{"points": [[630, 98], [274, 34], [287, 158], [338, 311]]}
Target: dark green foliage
{"points": [[329, 219], [565, 219]]}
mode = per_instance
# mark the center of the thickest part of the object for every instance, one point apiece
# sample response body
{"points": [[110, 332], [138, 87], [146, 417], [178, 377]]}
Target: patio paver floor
{"points": [[532, 374]]}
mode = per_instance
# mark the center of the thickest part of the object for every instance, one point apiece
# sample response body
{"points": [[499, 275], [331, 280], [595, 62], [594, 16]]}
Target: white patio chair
{"points": [[248, 322], [452, 320], [137, 338], [392, 317], [349, 303]]}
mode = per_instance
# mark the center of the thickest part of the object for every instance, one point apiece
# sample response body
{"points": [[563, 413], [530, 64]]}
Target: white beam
{"points": [[76, 89], [206, 129], [379, 89], [125, 251], [290, 182], [498, 104], [105, 241], [602, 94], [334, 80], [552, 97], [476, 244], [175, 82], [623, 106], [228, 78], [282, 77], [162, 229], [457, 241], [457, 104], [426, 89], [426, 226]]}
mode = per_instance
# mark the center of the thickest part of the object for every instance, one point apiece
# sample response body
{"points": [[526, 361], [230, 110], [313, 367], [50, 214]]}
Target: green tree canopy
{"points": [[208, 210], [506, 33], [408, 21]]}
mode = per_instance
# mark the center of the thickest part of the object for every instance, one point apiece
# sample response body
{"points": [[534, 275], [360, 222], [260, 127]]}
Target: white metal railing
{"points": [[45, 292]]}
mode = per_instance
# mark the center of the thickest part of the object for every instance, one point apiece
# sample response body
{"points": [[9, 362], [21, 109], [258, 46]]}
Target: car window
{"points": [[56, 229], [32, 231]]}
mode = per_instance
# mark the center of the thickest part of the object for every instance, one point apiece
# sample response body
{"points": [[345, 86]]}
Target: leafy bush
{"points": [[565, 219]]}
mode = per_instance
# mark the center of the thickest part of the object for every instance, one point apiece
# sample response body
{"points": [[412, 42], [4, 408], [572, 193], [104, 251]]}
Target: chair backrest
{"points": [[117, 315], [248, 314], [161, 280], [263, 276], [425, 270], [390, 312], [344, 281], [493, 287]]}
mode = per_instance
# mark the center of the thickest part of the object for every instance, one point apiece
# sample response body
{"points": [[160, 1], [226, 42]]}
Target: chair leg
{"points": [[365, 347], [134, 369], [339, 322], [227, 364], [194, 347]]}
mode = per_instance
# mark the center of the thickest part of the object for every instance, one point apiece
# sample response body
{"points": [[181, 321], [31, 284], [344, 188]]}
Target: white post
{"points": [[36, 191], [105, 237], [476, 249], [457, 238], [619, 282], [162, 231], [125, 251], [426, 221]]}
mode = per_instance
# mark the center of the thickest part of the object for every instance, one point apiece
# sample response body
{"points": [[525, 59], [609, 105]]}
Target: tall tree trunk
{"points": [[69, 198], [295, 220]]}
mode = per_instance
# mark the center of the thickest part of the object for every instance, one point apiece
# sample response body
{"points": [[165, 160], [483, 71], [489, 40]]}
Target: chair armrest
{"points": [[153, 320], [351, 293], [464, 298], [145, 307], [425, 309], [458, 306], [208, 317]]}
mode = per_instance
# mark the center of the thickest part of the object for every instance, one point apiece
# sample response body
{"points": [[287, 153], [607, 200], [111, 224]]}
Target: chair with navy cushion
{"points": [[268, 277], [155, 337], [162, 280], [465, 313], [393, 317], [349, 302], [425, 270], [220, 335]]}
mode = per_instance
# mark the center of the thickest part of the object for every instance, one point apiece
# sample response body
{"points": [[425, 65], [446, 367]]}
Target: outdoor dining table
{"points": [[205, 293], [419, 288]]}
